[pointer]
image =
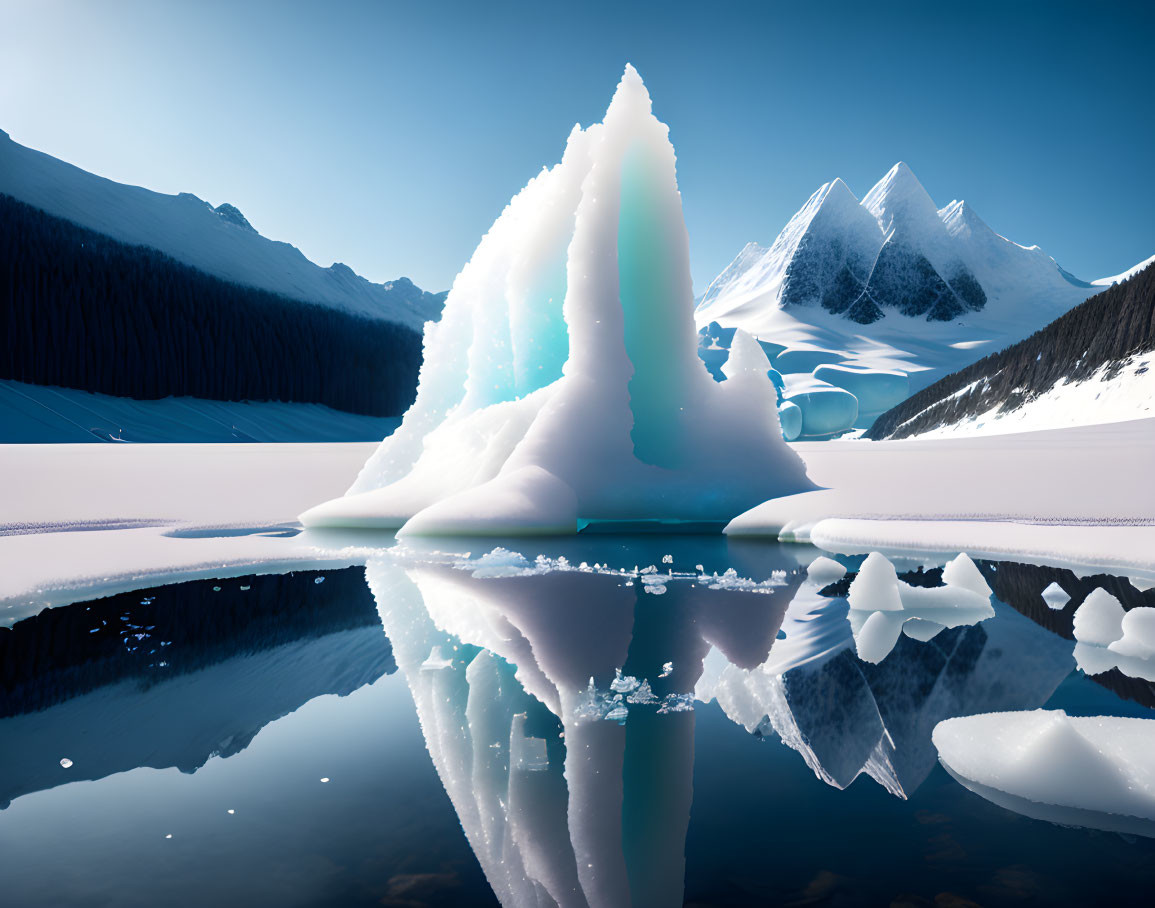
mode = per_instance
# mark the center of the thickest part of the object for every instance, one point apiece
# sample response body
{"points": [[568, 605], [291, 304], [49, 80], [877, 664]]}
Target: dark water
{"points": [[467, 759]]}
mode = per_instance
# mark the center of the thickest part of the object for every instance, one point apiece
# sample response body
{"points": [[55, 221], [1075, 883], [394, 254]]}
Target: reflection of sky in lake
{"points": [[292, 681]]}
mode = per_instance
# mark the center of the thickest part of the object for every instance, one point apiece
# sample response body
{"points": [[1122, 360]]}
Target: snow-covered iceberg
{"points": [[1093, 771], [563, 384]]}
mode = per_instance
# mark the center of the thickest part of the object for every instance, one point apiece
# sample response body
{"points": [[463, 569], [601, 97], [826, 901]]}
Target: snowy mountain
{"points": [[117, 290], [218, 241], [1095, 364], [889, 292]]}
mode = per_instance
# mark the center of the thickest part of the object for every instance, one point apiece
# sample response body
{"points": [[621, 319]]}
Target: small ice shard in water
{"points": [[563, 382], [1055, 596], [643, 695], [623, 685], [1108, 637], [824, 571], [667, 559], [962, 573], [65, 762], [667, 669]]}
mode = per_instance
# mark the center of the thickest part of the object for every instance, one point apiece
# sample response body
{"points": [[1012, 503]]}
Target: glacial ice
{"points": [[877, 390], [1108, 637], [562, 384], [882, 607], [1093, 771]]}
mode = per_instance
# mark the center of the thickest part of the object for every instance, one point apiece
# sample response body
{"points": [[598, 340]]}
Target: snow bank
{"points": [[563, 382], [994, 497], [1078, 771]]}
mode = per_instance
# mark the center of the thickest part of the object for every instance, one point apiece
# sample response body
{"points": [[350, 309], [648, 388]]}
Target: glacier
{"points": [[563, 384]]}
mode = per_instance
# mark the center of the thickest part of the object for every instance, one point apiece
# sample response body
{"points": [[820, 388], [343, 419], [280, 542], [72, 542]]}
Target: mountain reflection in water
{"points": [[606, 735]]}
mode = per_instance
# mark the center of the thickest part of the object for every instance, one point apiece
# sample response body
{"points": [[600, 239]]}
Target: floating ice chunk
{"points": [[623, 685], [676, 703], [667, 559], [962, 573], [65, 762], [618, 713], [875, 589], [643, 695], [1099, 620], [878, 635], [1080, 771], [965, 599], [825, 571], [1138, 640], [667, 669], [498, 563], [1055, 596]]}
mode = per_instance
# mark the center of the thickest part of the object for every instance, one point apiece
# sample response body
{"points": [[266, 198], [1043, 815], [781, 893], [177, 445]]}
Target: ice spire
{"points": [[563, 383]]}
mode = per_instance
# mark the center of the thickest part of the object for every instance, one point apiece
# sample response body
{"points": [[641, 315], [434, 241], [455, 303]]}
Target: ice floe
{"points": [[1094, 771]]}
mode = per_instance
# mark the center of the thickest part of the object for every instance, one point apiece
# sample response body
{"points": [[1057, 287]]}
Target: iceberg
{"points": [[882, 607], [1108, 637], [563, 384], [1093, 771]]}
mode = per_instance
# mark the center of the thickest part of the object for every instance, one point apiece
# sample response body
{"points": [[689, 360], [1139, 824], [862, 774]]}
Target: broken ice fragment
{"points": [[1055, 596], [667, 668], [65, 762], [643, 695]]}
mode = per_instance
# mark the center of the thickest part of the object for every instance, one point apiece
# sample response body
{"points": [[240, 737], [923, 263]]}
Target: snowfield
{"points": [[78, 518]]}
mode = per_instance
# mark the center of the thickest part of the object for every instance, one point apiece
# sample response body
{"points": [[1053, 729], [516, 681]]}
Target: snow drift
{"points": [[563, 383]]}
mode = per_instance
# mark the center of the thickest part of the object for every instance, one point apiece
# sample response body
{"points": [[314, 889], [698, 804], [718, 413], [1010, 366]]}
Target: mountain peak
{"points": [[233, 215], [899, 194]]}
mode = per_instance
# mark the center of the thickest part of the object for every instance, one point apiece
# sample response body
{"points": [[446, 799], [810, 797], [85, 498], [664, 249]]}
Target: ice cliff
{"points": [[563, 385]]}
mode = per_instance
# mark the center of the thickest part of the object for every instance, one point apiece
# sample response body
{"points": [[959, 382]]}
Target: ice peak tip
{"points": [[631, 92]]}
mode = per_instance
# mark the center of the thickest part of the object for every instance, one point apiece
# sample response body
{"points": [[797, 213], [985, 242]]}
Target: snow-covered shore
{"points": [[78, 520], [1077, 496]]}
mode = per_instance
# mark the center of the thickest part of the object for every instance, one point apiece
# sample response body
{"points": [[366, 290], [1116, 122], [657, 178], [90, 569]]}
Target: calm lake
{"points": [[618, 722]]}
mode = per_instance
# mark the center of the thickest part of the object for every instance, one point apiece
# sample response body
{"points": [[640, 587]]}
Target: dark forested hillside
{"points": [[81, 310], [1103, 331]]}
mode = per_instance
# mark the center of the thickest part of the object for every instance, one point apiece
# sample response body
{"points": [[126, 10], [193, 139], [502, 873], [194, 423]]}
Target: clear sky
{"points": [[390, 135]]}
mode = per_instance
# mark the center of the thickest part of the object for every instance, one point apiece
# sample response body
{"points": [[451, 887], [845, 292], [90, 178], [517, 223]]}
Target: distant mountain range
{"points": [[218, 241], [892, 253], [879, 298], [117, 290], [1093, 364]]}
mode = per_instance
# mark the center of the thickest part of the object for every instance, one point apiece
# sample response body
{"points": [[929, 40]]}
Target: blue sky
{"points": [[390, 135]]}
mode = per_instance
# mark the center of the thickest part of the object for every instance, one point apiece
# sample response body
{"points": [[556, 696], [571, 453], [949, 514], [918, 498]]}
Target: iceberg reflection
{"points": [[557, 700]]}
